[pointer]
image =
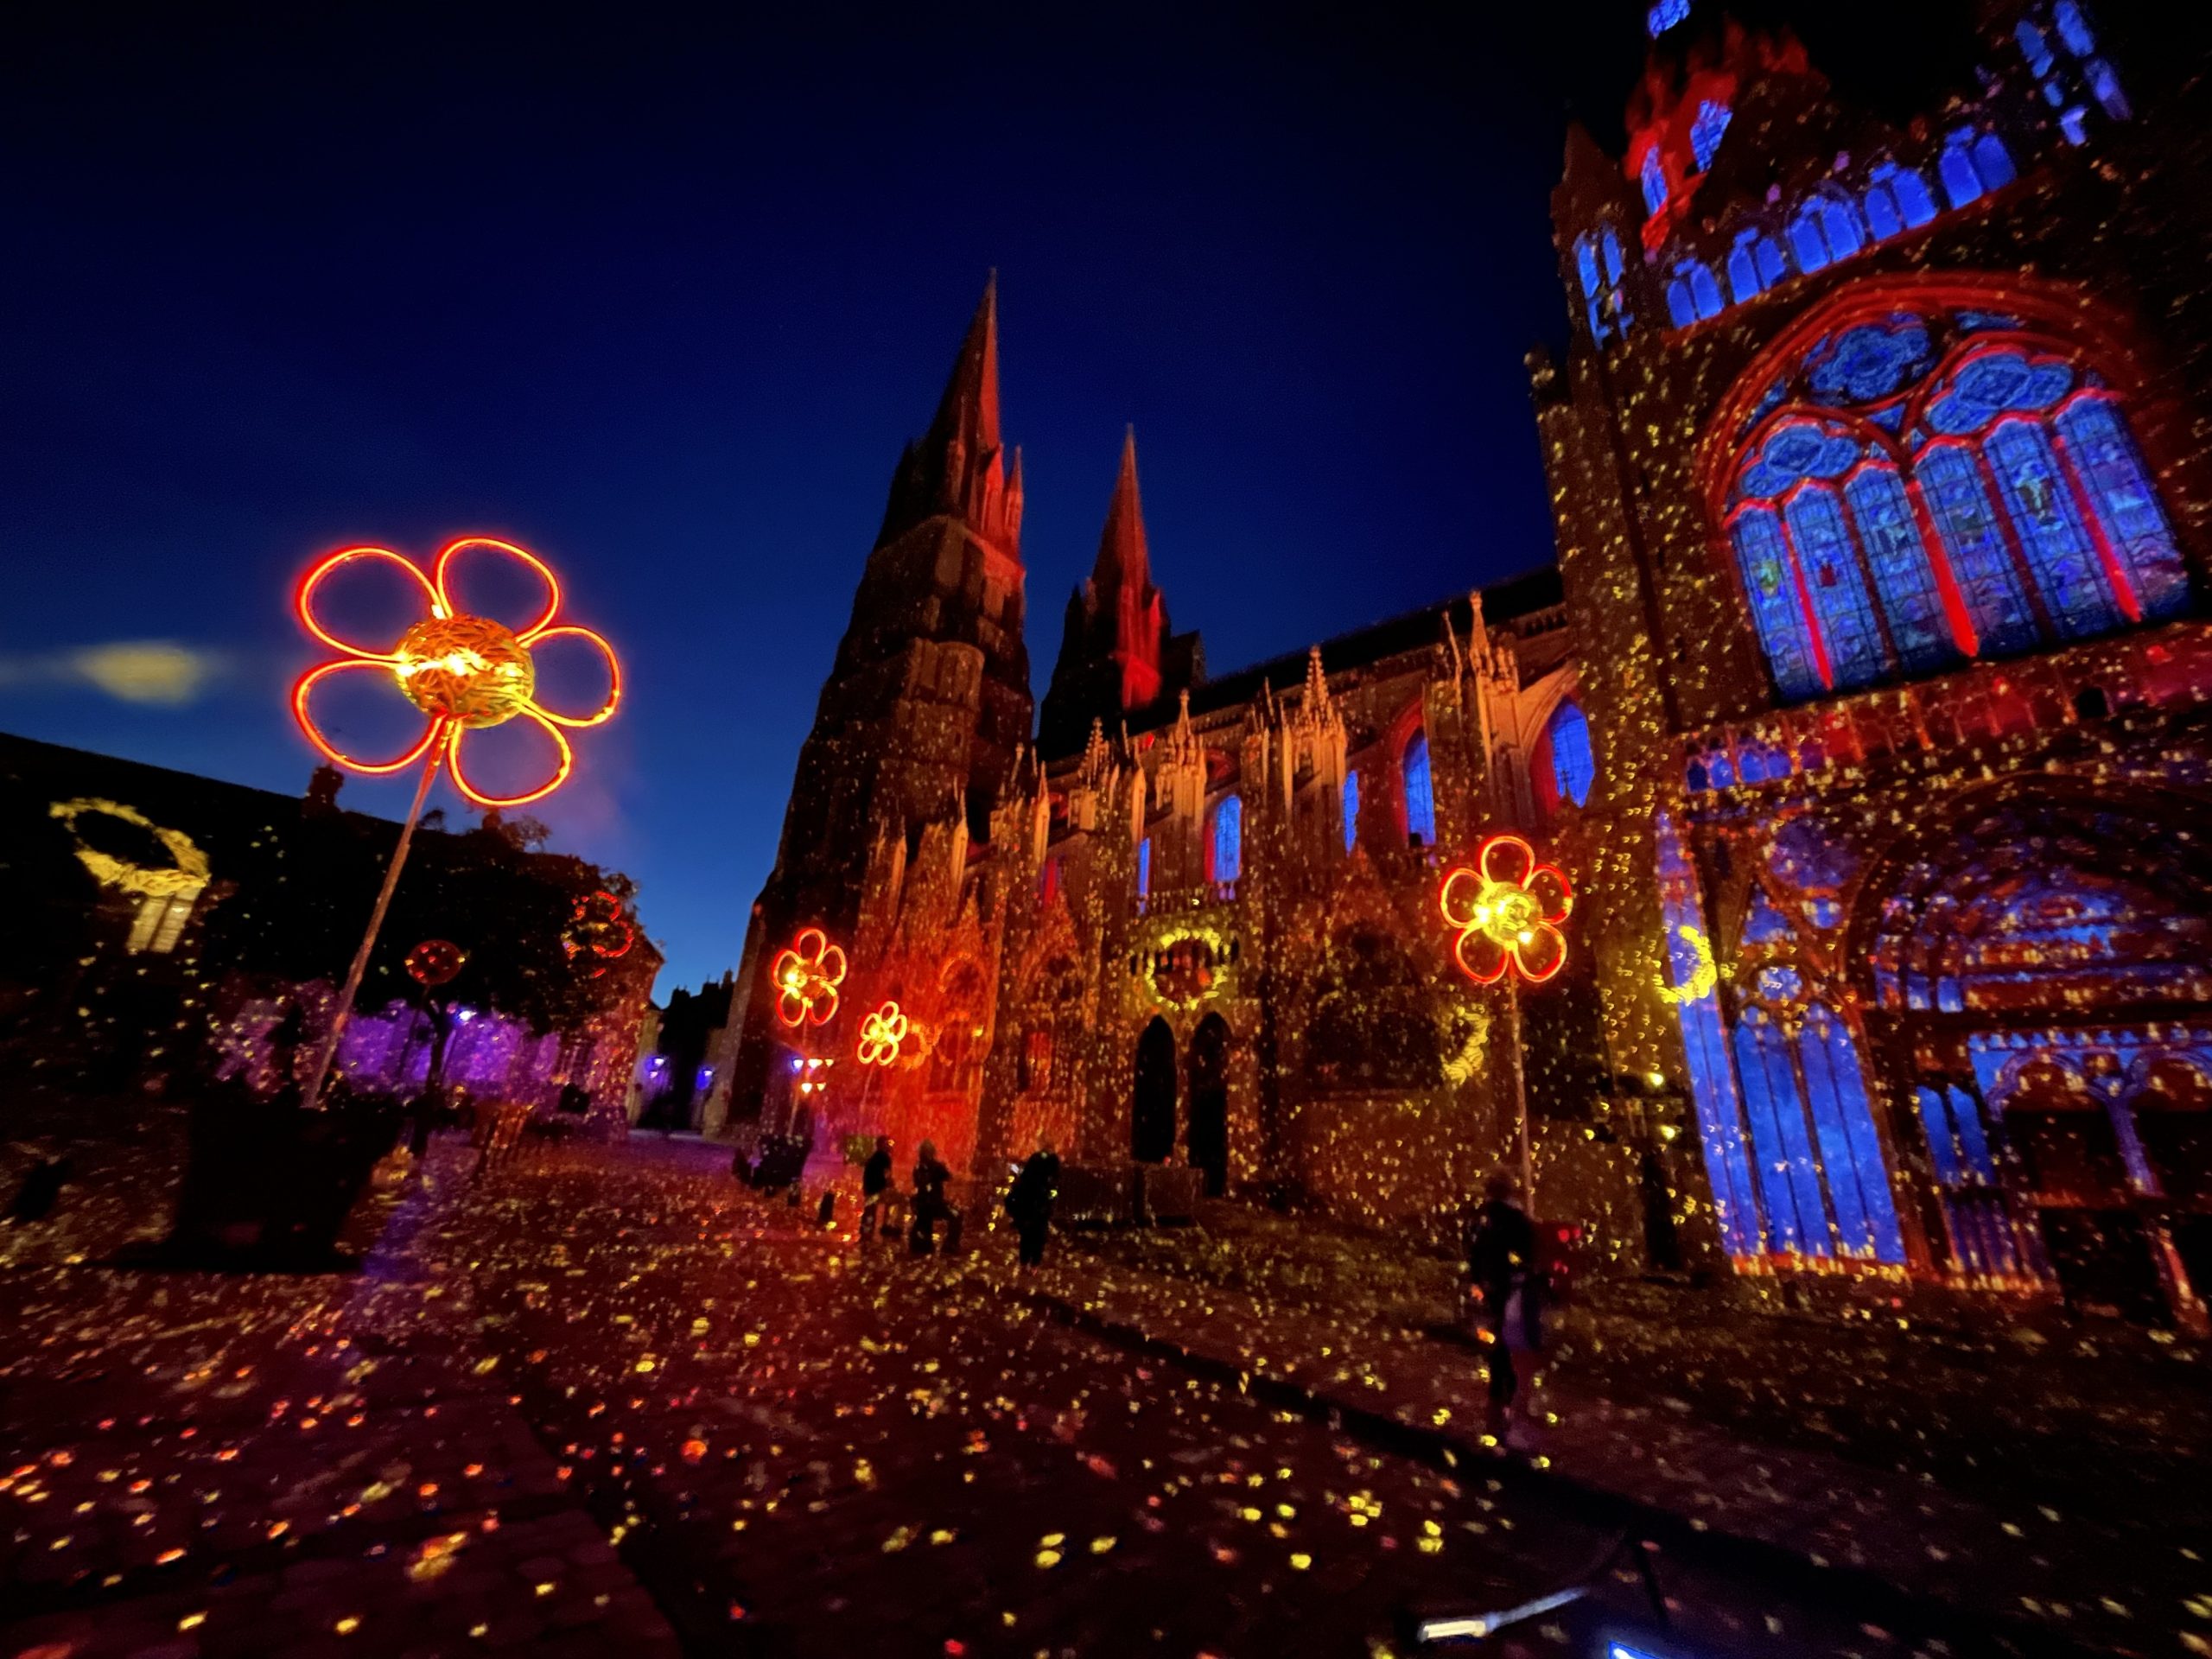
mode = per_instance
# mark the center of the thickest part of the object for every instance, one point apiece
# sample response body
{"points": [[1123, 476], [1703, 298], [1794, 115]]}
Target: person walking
{"points": [[1029, 1201], [1500, 1245], [930, 1205], [875, 1188]]}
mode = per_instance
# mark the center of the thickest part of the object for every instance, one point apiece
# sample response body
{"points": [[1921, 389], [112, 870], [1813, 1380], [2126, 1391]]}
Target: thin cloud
{"points": [[161, 672]]}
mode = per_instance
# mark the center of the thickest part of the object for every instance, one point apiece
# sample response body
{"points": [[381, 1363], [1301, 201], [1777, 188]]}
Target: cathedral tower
{"points": [[928, 705], [1118, 661]]}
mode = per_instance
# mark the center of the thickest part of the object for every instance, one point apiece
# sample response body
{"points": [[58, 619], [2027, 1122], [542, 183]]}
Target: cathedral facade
{"points": [[1877, 465], [1865, 711]]}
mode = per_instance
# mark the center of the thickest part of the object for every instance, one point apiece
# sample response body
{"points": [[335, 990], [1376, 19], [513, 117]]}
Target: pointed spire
{"points": [[1124, 558], [959, 467]]}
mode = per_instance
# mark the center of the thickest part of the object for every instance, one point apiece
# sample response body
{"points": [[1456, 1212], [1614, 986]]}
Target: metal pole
{"points": [[1520, 1092], [311, 1097]]}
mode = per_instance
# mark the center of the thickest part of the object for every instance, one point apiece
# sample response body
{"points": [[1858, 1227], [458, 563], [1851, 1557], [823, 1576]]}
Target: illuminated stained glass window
{"points": [[1989, 581], [1144, 866], [1903, 576], [1972, 164], [1573, 768], [1851, 1151], [1960, 489], [1777, 612], [1420, 797], [1228, 844], [1351, 811], [2102, 451], [1857, 654], [2052, 535], [1713, 1077], [1705, 131], [1653, 177], [1790, 1176], [1754, 264], [1681, 311], [1594, 287], [1663, 15]]}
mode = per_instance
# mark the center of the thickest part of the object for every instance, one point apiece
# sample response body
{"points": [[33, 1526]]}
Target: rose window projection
{"points": [[1918, 491]]}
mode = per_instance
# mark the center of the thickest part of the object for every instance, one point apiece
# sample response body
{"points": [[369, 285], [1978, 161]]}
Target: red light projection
{"points": [[435, 962], [598, 933]]}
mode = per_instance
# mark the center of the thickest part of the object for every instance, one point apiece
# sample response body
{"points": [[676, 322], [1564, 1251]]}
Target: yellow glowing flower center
{"points": [[465, 668], [1508, 913]]}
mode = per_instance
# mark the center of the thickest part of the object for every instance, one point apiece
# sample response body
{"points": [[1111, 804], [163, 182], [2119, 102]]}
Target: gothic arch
{"points": [[1207, 1134], [1152, 1092]]}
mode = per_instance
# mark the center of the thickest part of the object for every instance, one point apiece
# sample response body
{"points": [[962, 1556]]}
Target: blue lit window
{"points": [[1769, 573], [2106, 85], [1712, 121], [1228, 844], [1789, 1175], [1961, 182], [1851, 1151], [1144, 866], [1806, 240], [1421, 799], [1351, 811], [1653, 177], [1693, 295], [1974, 164], [2073, 28], [1825, 230], [1713, 1078], [1594, 293], [1754, 264], [1902, 574], [1664, 15], [1840, 222], [2034, 47], [1680, 310], [1897, 200], [1573, 768], [1856, 653], [2052, 535], [2103, 452]]}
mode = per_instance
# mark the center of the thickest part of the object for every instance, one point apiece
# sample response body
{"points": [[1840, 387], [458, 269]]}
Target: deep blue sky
{"points": [[662, 299]]}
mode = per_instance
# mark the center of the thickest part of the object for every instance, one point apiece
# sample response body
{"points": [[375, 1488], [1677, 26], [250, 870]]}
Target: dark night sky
{"points": [[661, 299]]}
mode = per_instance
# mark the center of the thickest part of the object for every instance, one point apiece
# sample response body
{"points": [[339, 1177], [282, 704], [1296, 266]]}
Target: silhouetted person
{"points": [[876, 1186], [34, 1199], [1029, 1201], [930, 1205], [1500, 1245]]}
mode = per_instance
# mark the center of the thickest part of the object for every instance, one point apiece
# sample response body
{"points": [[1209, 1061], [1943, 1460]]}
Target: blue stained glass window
{"points": [[1903, 576], [1228, 839], [2103, 452], [2106, 85], [1942, 1144], [1703, 288], [1765, 925], [1844, 235], [1680, 308], [1613, 250], [1790, 1176], [2034, 47], [2073, 28], [1989, 580], [2074, 123], [1955, 167], [1857, 655], [1754, 264], [1806, 240], [1770, 581], [1851, 1150], [1574, 767], [1144, 865], [1653, 177], [1994, 382], [1593, 290], [1713, 1079], [1664, 15], [1421, 799], [1973, 1140], [1873, 361], [1883, 216], [1351, 811], [2051, 532], [1705, 131], [1992, 162], [1915, 200]]}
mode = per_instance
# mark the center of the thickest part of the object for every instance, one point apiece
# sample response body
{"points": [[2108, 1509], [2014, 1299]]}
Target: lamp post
{"points": [[1507, 909]]}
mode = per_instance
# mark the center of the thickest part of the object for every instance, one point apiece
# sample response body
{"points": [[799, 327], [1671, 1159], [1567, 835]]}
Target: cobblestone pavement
{"points": [[2017, 1467], [606, 1399]]}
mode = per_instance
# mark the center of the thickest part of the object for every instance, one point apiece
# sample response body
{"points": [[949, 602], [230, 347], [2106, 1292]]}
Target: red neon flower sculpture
{"points": [[882, 1034], [1507, 911], [806, 978], [598, 933], [464, 672]]}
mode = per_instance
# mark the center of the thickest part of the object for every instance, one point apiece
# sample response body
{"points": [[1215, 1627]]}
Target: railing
{"points": [[1175, 900]]}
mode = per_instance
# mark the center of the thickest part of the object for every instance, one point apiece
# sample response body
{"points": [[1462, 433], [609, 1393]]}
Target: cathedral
{"points": [[1863, 710]]}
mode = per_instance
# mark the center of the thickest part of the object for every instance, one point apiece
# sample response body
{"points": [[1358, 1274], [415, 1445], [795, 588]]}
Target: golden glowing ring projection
{"points": [[1704, 976], [806, 978], [465, 672], [188, 874], [881, 1034], [1507, 919]]}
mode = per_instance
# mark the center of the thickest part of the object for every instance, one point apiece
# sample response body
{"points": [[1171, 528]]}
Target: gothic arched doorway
{"points": [[1209, 1133], [1152, 1113], [2040, 974]]}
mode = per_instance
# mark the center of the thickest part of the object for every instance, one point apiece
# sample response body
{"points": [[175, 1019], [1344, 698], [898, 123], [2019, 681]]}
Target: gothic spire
{"points": [[958, 467], [1124, 558]]}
